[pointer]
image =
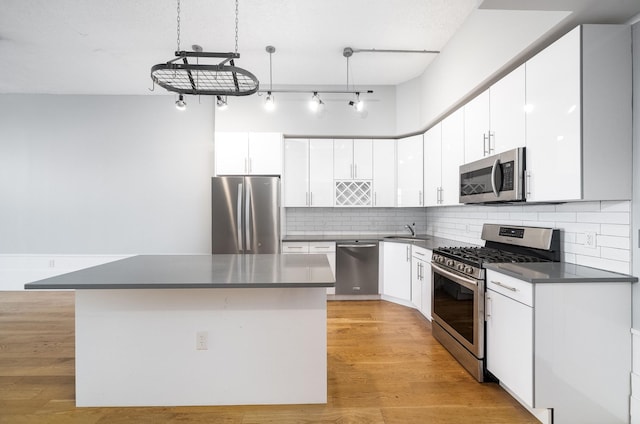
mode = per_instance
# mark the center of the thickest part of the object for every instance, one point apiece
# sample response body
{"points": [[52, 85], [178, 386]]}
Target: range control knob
{"points": [[450, 262], [468, 270], [460, 267]]}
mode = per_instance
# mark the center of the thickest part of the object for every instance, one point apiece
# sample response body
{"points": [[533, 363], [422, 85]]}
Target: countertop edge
{"points": [[133, 286], [613, 278]]}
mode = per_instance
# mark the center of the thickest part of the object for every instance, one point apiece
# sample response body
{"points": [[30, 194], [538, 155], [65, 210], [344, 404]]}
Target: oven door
{"points": [[457, 304]]}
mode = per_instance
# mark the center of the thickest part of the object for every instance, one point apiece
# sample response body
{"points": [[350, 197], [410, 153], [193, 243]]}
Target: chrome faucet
{"points": [[411, 228]]}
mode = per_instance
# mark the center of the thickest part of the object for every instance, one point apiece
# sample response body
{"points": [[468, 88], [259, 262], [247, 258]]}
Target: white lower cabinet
{"points": [[561, 347], [421, 280], [510, 344], [396, 271], [314, 247]]}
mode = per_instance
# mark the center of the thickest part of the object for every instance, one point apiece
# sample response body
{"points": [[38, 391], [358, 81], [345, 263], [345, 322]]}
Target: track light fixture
{"points": [[358, 104], [269, 103], [316, 102], [221, 102], [180, 103]]}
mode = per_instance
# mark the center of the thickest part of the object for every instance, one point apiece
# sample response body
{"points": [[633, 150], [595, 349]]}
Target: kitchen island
{"points": [[200, 330]]}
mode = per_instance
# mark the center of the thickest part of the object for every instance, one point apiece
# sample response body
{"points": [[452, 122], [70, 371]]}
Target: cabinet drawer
{"points": [[295, 247], [421, 253], [513, 288], [321, 246]]}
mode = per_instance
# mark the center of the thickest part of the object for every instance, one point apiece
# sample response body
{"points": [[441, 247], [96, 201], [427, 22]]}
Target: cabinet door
{"points": [[343, 159], [296, 173], [510, 344], [452, 157], [321, 190], [362, 159], [410, 176], [325, 247], [397, 270], [426, 290], [416, 282], [384, 173], [554, 170], [507, 102], [476, 128], [433, 165], [265, 153], [232, 152]]}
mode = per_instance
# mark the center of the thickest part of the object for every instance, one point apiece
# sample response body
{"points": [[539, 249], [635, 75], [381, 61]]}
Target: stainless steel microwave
{"points": [[497, 178]]}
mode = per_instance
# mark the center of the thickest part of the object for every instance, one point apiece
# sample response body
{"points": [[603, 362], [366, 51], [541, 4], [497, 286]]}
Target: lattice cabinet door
{"points": [[353, 193]]}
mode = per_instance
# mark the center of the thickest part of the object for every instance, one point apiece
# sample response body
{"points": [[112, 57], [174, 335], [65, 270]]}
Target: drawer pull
{"points": [[320, 247], [498, 283], [294, 247]]}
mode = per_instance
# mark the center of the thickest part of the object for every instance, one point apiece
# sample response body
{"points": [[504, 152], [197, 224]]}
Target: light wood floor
{"points": [[383, 365]]}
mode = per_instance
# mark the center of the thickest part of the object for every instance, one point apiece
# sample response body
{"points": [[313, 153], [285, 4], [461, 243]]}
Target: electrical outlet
{"points": [[202, 340], [590, 239]]}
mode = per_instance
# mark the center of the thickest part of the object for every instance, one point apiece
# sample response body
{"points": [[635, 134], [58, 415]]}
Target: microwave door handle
{"points": [[496, 177]]}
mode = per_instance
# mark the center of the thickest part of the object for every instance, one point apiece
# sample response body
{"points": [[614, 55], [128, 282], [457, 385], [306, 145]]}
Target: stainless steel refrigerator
{"points": [[245, 212]]}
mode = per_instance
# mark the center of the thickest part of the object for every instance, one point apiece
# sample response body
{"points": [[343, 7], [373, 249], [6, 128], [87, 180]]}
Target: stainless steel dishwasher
{"points": [[357, 267]]}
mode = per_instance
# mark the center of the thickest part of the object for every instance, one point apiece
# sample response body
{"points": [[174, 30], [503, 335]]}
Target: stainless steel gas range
{"points": [[458, 290]]}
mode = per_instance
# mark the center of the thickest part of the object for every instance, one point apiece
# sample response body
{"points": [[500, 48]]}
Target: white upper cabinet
{"points": [[433, 165], [452, 157], [410, 171], [321, 187], [476, 128], [507, 112], [353, 159], [494, 121], [240, 153], [384, 173], [296, 173], [578, 131]]}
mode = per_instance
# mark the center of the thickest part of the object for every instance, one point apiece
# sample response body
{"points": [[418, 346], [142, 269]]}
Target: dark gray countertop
{"points": [[558, 272], [198, 271], [421, 240]]}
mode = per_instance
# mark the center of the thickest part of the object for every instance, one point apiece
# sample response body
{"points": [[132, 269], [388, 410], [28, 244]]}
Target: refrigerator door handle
{"points": [[247, 218], [239, 216]]}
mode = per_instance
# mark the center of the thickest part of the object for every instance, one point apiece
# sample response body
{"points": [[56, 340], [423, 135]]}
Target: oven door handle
{"points": [[466, 282]]}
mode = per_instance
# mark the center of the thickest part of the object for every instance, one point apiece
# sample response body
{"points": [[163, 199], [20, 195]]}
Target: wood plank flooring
{"points": [[383, 367]]}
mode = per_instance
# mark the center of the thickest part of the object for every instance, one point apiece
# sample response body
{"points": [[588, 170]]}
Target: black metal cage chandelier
{"points": [[217, 79]]}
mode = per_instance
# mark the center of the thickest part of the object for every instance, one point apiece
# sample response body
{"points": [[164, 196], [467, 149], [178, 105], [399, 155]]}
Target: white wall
{"points": [[487, 44], [293, 116], [104, 175], [636, 173]]}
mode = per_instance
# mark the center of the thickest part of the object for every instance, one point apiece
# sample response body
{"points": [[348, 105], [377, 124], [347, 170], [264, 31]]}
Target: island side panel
{"points": [[139, 347]]}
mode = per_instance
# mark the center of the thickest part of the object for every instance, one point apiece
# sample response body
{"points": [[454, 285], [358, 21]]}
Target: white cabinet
{"points": [[443, 155], [509, 325], [353, 159], [308, 173], [410, 171], [314, 247], [239, 153], [578, 122], [507, 112], [396, 271], [321, 188], [547, 343], [296, 173], [433, 165], [494, 121], [384, 173], [421, 280], [476, 127]]}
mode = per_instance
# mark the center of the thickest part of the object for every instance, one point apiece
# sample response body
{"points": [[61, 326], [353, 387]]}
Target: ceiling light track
{"points": [[349, 51]]}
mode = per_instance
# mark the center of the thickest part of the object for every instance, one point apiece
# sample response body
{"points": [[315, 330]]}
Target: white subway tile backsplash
{"points": [[604, 217], [578, 207], [608, 264], [615, 206], [611, 241], [558, 216], [616, 254], [615, 230]]}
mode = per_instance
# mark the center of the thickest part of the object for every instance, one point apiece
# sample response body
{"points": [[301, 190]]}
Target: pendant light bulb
{"points": [[180, 103], [315, 103], [358, 104], [269, 103], [222, 103]]}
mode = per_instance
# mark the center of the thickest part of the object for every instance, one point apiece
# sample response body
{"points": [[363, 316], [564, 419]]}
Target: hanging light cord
{"points": [[178, 26], [236, 26], [270, 72]]}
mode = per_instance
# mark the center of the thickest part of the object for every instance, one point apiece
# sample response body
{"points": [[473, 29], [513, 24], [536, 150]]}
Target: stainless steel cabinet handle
{"points": [[351, 170], [306, 198], [355, 171], [498, 283], [375, 199], [311, 198], [485, 151], [487, 306], [294, 247], [528, 183], [419, 253], [420, 197], [250, 165], [356, 245], [492, 136], [320, 247], [408, 253], [247, 217]]}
